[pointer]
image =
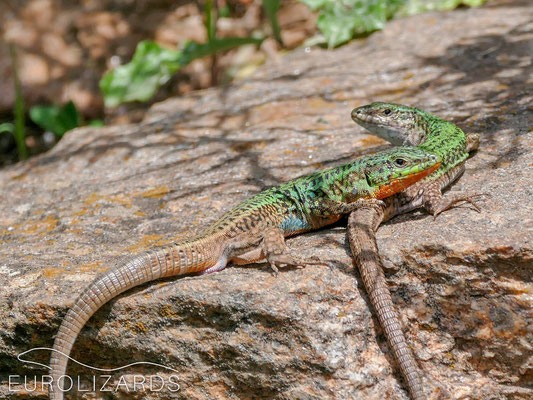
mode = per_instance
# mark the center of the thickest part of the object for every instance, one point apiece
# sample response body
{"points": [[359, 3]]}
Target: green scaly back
{"points": [[293, 206]]}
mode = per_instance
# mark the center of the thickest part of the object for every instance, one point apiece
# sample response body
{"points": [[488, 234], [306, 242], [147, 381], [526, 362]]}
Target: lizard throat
{"points": [[397, 185]]}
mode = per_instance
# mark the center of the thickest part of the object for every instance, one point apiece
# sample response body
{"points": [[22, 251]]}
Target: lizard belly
{"points": [[413, 197]]}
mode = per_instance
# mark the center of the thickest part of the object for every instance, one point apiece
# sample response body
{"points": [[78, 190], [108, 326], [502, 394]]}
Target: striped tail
{"points": [[178, 259]]}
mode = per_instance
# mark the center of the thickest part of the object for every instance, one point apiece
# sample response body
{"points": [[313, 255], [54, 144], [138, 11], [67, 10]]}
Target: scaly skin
{"points": [[401, 124], [362, 224], [253, 231], [405, 125]]}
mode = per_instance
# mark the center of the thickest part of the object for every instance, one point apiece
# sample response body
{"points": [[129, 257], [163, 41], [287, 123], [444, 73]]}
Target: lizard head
{"points": [[396, 123], [389, 172]]}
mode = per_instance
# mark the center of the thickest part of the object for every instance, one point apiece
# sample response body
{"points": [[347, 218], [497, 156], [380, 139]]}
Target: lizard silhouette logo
{"points": [[100, 382], [86, 365]]}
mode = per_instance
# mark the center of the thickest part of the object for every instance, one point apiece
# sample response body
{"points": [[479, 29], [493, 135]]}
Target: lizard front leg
{"points": [[433, 200], [435, 203]]}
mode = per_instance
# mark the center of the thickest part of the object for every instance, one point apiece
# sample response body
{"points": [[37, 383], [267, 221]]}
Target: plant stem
{"points": [[19, 107], [211, 16], [271, 8]]}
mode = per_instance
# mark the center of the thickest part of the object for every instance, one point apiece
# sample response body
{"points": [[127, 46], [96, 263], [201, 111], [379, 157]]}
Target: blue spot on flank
{"points": [[294, 224]]}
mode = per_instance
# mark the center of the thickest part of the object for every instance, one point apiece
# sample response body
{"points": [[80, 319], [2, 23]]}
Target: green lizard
{"points": [[252, 231], [401, 124]]}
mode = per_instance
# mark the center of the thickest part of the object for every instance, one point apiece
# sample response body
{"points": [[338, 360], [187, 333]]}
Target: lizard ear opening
{"points": [[368, 180]]}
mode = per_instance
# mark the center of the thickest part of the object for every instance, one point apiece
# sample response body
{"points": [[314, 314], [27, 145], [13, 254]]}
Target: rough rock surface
{"points": [[462, 283]]}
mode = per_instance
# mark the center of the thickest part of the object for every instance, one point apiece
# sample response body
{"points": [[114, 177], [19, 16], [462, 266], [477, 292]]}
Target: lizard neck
{"points": [[447, 141]]}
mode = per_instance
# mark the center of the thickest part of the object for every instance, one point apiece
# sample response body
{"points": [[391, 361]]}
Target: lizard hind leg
{"points": [[219, 266], [277, 255]]}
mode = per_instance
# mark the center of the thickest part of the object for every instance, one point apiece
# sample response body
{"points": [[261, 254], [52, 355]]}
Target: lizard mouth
{"points": [[362, 116], [399, 184]]}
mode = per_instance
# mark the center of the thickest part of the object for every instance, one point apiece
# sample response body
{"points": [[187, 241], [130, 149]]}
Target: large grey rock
{"points": [[462, 283]]}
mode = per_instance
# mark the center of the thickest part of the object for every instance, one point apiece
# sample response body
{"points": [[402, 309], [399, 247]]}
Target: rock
{"points": [[462, 283]]}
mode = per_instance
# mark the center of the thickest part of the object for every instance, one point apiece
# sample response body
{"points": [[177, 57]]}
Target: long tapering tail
{"points": [[362, 225], [177, 259]]}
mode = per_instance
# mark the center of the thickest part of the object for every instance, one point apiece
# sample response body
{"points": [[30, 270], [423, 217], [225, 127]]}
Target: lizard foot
{"points": [[446, 204], [286, 260], [277, 254]]}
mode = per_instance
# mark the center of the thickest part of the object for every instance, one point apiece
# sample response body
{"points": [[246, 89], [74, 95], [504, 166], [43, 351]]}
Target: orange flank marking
{"points": [[397, 185]]}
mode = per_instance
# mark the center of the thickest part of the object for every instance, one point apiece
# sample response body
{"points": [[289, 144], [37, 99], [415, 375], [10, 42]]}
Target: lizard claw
{"points": [[275, 269], [468, 199], [277, 261]]}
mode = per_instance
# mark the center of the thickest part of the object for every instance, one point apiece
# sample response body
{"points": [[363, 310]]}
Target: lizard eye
{"points": [[400, 162], [387, 111]]}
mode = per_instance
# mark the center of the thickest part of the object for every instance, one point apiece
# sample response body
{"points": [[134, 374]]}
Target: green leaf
{"points": [[7, 127], [150, 67], [473, 3], [224, 11], [194, 50], [336, 26], [418, 6], [56, 119], [339, 21], [315, 4], [271, 8], [97, 123]]}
